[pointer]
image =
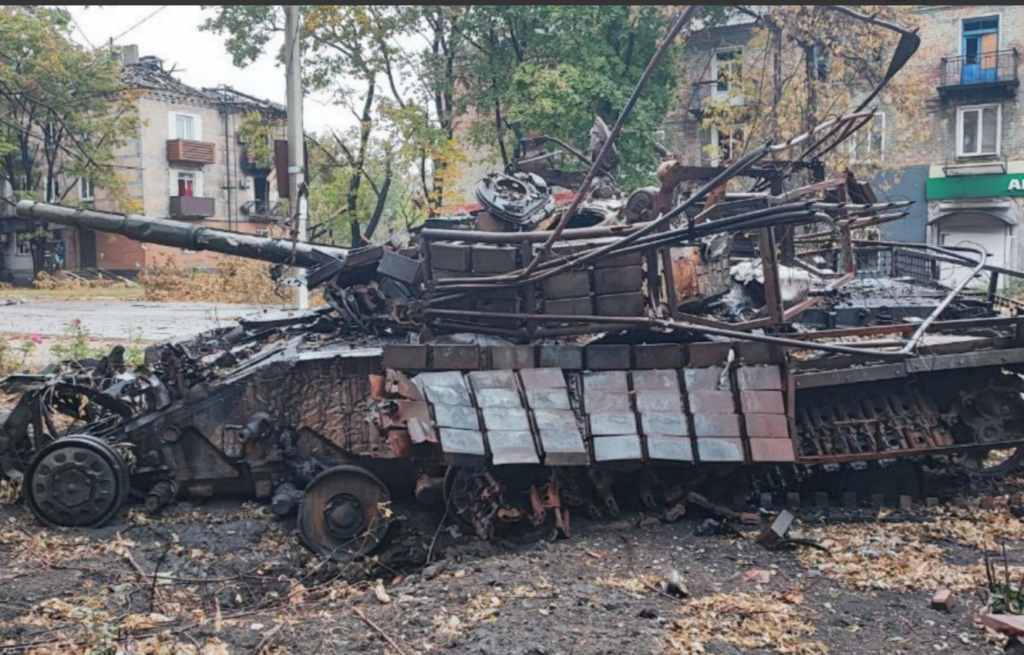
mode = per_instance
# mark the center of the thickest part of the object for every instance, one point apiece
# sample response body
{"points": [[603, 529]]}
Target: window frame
{"points": [[196, 122], [869, 154], [84, 183], [716, 142], [960, 112], [715, 91]]}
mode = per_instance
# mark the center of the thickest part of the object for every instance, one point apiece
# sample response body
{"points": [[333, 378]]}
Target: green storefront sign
{"points": [[975, 186]]}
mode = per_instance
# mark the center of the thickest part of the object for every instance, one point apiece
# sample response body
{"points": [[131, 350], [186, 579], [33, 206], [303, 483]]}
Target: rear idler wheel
{"points": [[76, 481], [343, 513]]}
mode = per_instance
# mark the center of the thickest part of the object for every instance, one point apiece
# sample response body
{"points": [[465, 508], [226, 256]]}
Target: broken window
{"points": [[977, 131], [727, 144], [728, 70]]}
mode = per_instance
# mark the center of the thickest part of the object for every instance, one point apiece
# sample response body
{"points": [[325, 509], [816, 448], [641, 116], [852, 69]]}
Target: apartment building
{"points": [[188, 162], [964, 166]]}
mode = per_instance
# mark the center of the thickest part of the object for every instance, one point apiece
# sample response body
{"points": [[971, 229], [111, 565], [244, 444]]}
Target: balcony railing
{"points": [[191, 152], [191, 207], [992, 70]]}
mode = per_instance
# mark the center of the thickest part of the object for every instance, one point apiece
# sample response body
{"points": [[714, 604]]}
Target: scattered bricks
{"points": [[943, 600], [931, 502], [793, 500], [766, 500], [405, 358], [878, 501], [850, 501], [1007, 624], [775, 532], [906, 503], [821, 500]]}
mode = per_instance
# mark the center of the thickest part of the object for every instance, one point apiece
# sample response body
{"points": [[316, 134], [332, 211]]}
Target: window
{"points": [[186, 126], [978, 131], [818, 60], [979, 45], [24, 246], [869, 142], [186, 184], [86, 191], [727, 144], [727, 70]]}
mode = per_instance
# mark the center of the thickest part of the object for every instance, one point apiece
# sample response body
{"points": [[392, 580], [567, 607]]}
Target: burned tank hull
{"points": [[733, 324]]}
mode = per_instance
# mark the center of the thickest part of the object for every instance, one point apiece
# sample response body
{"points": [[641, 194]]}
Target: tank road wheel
{"points": [[76, 481], [343, 513]]}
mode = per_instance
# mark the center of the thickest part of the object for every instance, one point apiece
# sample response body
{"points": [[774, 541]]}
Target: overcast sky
{"points": [[200, 57]]}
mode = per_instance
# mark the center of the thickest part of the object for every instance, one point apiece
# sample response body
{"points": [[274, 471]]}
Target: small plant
{"points": [[1005, 596], [14, 356], [74, 345]]}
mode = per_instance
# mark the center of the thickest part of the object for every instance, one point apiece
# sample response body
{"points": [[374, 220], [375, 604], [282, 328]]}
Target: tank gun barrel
{"points": [[179, 234]]}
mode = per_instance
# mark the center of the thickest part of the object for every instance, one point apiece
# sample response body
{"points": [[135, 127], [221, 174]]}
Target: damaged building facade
{"points": [[187, 162], [966, 178]]}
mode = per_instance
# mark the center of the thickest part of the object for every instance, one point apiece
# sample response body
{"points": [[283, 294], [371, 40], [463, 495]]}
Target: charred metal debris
{"points": [[733, 324]]}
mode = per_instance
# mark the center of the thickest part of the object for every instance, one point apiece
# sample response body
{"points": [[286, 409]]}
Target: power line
{"points": [[139, 23], [79, 28]]}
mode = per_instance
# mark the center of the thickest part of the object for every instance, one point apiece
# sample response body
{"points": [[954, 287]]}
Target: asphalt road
{"points": [[115, 319]]}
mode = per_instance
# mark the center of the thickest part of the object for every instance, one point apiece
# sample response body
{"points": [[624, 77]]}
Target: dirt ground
{"points": [[229, 578]]}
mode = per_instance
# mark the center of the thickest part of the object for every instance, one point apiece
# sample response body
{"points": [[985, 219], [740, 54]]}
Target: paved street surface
{"points": [[147, 321]]}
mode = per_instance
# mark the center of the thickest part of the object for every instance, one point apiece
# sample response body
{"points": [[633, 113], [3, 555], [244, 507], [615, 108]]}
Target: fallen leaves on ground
{"points": [[910, 556], [746, 621]]}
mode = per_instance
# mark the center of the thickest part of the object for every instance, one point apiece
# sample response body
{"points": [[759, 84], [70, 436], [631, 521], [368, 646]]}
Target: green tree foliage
{"points": [[430, 81], [554, 68], [63, 111]]}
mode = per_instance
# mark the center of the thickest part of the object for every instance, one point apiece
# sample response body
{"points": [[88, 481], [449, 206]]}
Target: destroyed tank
{"points": [[619, 364], [732, 331]]}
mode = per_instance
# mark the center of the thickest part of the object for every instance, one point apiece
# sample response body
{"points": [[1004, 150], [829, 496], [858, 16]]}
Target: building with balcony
{"points": [[963, 165], [188, 162]]}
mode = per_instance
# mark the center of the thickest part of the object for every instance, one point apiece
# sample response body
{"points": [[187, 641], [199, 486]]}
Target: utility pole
{"points": [[296, 143]]}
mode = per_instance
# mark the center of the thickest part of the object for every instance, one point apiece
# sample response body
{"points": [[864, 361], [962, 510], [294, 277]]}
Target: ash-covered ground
{"points": [[229, 578]]}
